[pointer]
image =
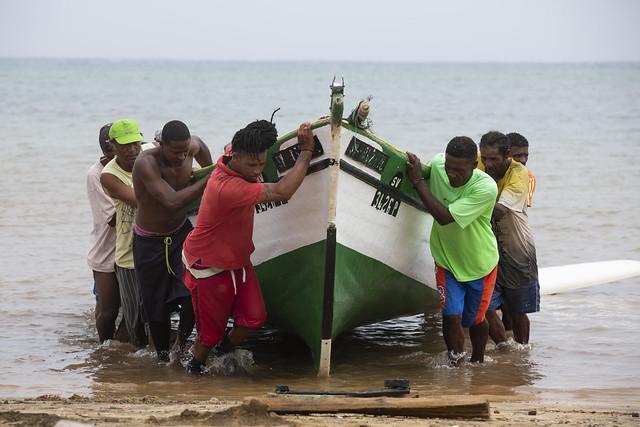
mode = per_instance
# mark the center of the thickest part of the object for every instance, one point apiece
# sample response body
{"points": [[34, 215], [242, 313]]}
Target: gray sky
{"points": [[414, 31]]}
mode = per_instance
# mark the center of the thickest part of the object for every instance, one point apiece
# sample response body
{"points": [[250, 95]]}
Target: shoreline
{"points": [[504, 410]]}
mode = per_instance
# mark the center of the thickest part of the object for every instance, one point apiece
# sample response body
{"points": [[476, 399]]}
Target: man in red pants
{"points": [[216, 254]]}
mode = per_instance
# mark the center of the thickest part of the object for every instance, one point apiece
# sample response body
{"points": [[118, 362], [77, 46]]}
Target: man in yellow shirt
{"points": [[517, 285], [520, 153]]}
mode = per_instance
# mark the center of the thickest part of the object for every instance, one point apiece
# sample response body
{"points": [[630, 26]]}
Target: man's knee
{"points": [[491, 315], [107, 312], [451, 320], [254, 319], [479, 325], [517, 317]]}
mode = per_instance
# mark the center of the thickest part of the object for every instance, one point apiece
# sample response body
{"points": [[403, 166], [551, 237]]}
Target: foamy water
{"points": [[583, 125]]}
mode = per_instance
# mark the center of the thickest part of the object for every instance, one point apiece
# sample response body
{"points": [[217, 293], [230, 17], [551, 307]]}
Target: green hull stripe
{"points": [[366, 291]]}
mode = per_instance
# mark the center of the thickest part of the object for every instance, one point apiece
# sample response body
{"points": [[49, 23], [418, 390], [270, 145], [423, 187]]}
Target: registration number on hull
{"points": [[386, 203]]}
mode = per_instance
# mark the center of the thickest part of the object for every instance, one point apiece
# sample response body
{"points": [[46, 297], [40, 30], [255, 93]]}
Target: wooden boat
{"points": [[351, 246]]}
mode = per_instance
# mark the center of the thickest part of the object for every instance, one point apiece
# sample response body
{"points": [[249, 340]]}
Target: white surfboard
{"points": [[577, 276]]}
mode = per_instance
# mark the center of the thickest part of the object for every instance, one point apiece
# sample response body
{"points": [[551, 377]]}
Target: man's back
{"points": [[223, 235], [103, 236]]}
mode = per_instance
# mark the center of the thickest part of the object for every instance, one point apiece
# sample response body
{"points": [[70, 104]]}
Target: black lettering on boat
{"points": [[369, 156], [385, 202], [285, 159], [263, 207]]}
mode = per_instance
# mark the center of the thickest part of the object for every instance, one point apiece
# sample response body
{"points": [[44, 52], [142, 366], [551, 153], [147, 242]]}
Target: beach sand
{"points": [[53, 410]]}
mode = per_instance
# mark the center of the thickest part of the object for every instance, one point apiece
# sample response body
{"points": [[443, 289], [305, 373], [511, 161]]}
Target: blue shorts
{"points": [[522, 300], [467, 299]]}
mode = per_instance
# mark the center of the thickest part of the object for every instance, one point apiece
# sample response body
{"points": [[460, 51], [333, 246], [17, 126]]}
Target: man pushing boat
{"points": [[517, 289], [161, 178], [217, 252], [460, 198]]}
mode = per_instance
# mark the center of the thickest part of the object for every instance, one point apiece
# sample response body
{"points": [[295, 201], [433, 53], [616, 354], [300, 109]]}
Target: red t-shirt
{"points": [[223, 236]]}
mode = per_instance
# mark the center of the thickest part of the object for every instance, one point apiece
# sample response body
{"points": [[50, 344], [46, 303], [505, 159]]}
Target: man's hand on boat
{"points": [[284, 188], [414, 171], [305, 137]]}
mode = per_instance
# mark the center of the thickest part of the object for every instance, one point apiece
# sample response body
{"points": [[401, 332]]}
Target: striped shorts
{"points": [[131, 305]]}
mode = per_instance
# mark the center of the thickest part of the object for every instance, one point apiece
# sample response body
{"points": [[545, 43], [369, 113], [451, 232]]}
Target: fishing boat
{"points": [[351, 246]]}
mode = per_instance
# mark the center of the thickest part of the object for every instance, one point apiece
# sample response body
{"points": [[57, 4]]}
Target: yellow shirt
{"points": [[125, 217], [518, 265], [532, 182], [532, 188]]}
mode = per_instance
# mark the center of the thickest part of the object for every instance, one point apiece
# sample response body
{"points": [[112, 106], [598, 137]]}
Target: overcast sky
{"points": [[414, 31]]}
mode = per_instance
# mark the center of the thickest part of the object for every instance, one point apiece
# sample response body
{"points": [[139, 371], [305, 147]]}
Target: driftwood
{"points": [[440, 407]]}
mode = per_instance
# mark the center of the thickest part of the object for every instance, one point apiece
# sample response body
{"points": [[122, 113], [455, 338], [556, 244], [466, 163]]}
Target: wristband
{"points": [[417, 181], [307, 149]]}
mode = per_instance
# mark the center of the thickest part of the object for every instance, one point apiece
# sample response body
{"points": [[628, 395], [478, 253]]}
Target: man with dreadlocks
{"points": [[216, 254]]}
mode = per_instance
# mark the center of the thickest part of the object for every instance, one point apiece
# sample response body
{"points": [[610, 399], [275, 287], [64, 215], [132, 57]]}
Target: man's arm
{"points": [[439, 212], [287, 186], [147, 174], [499, 211], [117, 189], [514, 194], [202, 153]]}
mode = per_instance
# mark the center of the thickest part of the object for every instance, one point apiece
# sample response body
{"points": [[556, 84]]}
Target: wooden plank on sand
{"points": [[443, 407]]}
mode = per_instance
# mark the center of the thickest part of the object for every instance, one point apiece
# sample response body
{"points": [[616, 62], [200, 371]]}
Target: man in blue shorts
{"points": [[517, 289], [460, 198]]}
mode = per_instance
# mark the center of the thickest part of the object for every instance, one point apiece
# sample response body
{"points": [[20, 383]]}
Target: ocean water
{"points": [[583, 124]]}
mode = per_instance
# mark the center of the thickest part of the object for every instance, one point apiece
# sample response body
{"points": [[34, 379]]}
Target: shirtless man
{"points": [[161, 178]]}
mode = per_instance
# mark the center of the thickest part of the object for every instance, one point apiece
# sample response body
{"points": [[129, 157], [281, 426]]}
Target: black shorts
{"points": [[158, 263]]}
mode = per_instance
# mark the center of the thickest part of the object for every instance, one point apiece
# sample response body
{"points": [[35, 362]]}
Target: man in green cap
{"points": [[117, 181]]}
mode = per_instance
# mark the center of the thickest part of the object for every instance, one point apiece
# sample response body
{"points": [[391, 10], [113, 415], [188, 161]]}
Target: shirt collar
{"points": [[226, 169]]}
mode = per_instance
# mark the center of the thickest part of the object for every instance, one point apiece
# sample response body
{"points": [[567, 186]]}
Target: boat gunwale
{"points": [[358, 173]]}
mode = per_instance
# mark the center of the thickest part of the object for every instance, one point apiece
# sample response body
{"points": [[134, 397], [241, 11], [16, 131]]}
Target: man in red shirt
{"points": [[216, 254]]}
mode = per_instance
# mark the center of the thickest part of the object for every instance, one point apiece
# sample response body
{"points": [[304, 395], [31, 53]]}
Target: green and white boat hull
{"points": [[371, 263], [351, 246]]}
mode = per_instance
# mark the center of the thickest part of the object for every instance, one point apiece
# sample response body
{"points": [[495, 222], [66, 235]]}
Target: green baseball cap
{"points": [[125, 131]]}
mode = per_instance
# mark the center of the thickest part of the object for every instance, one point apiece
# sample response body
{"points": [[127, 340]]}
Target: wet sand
{"points": [[53, 410]]}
